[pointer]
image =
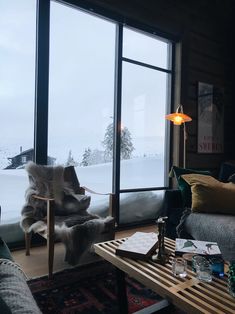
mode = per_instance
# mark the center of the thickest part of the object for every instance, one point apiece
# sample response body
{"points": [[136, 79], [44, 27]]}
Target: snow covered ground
{"points": [[135, 173]]}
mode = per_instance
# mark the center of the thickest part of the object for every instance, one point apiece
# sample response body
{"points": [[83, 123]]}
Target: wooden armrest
{"points": [[112, 200], [42, 198]]}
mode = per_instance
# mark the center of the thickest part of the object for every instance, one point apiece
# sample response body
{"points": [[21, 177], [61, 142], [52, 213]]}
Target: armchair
{"points": [[56, 208]]}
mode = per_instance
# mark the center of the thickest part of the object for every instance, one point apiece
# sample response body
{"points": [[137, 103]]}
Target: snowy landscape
{"points": [[81, 102], [135, 173]]}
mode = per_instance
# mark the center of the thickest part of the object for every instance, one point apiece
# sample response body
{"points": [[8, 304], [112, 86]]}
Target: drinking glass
{"points": [[197, 259], [217, 266], [179, 267], [203, 270]]}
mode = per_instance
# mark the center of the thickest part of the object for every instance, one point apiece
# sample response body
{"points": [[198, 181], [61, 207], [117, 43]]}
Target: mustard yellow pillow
{"points": [[210, 195]]}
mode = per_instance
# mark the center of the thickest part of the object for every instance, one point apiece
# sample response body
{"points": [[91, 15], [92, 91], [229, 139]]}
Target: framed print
{"points": [[210, 119]]}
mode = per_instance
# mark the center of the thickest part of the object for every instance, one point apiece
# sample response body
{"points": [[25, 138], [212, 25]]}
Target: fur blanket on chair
{"points": [[74, 225]]}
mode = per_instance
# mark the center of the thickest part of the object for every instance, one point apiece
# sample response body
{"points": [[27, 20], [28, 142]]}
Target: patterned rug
{"points": [[87, 290]]}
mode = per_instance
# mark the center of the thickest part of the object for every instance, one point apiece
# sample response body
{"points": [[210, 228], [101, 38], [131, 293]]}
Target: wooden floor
{"points": [[35, 265]]}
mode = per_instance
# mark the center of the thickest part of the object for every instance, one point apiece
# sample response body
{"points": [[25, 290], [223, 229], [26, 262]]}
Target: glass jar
{"points": [[203, 270], [179, 267], [196, 259], [217, 266]]}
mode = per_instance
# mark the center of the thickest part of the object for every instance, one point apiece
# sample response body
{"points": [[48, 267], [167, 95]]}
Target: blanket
{"points": [[74, 225], [211, 227], [14, 291], [180, 229]]}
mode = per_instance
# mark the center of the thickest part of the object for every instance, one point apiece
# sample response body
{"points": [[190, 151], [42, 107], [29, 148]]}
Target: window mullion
{"points": [[117, 117], [42, 81]]}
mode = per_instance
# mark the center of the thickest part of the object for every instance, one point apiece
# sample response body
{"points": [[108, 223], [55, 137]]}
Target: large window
{"points": [[81, 101], [143, 109], [146, 75], [109, 88], [144, 92], [144, 103], [17, 84]]}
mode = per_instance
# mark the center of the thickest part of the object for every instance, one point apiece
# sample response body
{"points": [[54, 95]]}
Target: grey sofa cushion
{"points": [[215, 228], [14, 290]]}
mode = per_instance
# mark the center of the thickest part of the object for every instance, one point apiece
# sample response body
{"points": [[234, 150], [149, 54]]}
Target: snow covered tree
{"points": [[70, 161], [126, 143], [86, 157], [108, 143]]}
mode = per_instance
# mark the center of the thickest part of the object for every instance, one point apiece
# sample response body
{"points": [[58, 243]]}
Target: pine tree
{"points": [[86, 157], [70, 161], [126, 143], [108, 143]]}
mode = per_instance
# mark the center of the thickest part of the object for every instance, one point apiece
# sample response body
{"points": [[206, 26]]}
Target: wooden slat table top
{"points": [[189, 294]]}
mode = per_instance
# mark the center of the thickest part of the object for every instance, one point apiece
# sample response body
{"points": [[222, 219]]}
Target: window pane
{"points": [[143, 48], [81, 93], [17, 81], [144, 94]]}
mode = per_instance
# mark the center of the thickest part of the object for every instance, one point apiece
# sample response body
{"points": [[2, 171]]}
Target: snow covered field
{"points": [[135, 173]]}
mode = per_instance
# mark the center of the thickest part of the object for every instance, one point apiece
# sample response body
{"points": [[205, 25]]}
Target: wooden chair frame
{"points": [[49, 234]]}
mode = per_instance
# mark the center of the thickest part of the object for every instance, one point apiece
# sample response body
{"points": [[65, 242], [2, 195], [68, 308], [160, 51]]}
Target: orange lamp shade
{"points": [[178, 118]]}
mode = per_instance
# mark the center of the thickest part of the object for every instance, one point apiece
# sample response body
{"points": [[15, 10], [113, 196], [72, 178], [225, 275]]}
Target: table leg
{"points": [[121, 292], [123, 300]]}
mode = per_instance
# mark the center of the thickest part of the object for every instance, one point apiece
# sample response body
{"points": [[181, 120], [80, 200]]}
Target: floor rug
{"points": [[88, 290]]}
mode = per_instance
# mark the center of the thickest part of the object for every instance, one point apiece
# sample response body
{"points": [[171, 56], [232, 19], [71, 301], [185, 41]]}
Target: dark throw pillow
{"points": [[4, 251], [4, 309], [183, 185], [232, 178], [226, 170]]}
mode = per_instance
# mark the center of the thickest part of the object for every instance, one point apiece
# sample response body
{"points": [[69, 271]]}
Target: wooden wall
{"points": [[204, 28]]}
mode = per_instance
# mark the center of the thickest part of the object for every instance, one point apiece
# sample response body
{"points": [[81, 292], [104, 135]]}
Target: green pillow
{"points": [[210, 195], [183, 185]]}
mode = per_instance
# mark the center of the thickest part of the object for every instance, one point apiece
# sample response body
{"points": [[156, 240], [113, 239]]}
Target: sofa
{"points": [[215, 222], [182, 223], [15, 295]]}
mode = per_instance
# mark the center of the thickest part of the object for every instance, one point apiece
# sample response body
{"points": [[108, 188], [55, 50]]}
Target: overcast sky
{"points": [[81, 93]]}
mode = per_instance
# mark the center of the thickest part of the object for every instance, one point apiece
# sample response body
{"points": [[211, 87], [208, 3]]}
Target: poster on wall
{"points": [[210, 119]]}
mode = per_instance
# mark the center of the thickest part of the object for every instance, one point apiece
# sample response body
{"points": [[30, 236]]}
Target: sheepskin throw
{"points": [[74, 225]]}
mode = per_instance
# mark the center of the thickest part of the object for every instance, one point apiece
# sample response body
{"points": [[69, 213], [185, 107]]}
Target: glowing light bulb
{"points": [[178, 120], [178, 117]]}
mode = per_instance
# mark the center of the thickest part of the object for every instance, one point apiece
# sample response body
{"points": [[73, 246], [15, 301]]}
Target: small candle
{"points": [[179, 267]]}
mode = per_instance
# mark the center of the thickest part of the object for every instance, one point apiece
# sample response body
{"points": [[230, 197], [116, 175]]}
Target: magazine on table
{"points": [[140, 245], [196, 247]]}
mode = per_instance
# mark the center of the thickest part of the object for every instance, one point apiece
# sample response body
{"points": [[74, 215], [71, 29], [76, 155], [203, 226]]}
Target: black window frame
{"points": [[42, 83]]}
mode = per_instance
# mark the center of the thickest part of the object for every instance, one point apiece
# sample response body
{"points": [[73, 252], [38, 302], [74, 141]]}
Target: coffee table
{"points": [[188, 294]]}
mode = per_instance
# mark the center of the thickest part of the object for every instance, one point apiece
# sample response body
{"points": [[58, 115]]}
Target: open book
{"points": [[139, 246], [196, 247]]}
